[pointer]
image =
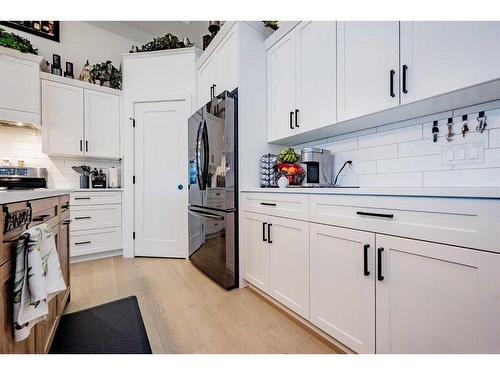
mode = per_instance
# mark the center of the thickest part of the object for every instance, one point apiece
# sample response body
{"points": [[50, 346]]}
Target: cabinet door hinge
{"points": [[133, 235], [133, 179]]}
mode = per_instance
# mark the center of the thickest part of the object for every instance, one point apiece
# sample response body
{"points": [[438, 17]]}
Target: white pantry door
{"points": [[161, 219]]}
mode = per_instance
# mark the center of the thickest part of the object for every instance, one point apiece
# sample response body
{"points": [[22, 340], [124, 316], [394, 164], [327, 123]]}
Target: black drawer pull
{"points": [[387, 216], [83, 243], [66, 222], [365, 260], [82, 217], [268, 204], [264, 232], [40, 218], [65, 206], [269, 233], [380, 277], [82, 198], [291, 120], [391, 81], [296, 118]]}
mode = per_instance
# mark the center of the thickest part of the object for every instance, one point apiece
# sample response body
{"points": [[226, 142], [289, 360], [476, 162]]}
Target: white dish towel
{"points": [[38, 278]]}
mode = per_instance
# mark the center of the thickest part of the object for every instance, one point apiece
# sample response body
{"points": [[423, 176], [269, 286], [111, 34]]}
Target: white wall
{"points": [[80, 41], [403, 154]]}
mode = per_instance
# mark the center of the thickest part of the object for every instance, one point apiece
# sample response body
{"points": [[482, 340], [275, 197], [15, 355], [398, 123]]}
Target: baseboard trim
{"points": [[87, 257], [315, 331]]}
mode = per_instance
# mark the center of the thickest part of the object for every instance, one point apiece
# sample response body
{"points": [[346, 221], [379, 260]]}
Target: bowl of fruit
{"points": [[289, 167]]}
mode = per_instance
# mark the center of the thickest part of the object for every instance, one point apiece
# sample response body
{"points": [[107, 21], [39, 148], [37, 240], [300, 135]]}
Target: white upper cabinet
{"points": [[441, 57], [220, 71], [301, 80], [434, 298], [316, 76], [20, 86], [281, 86], [289, 263], [102, 124], [62, 119], [77, 121], [342, 285], [367, 68]]}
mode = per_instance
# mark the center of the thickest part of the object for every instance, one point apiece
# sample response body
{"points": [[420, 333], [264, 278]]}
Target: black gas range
{"points": [[22, 178]]}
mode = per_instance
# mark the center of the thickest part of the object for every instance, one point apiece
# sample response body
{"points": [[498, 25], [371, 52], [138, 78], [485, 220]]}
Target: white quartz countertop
{"points": [[11, 196], [478, 193]]}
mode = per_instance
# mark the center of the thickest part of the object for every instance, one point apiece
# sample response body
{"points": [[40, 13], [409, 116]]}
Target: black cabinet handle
{"points": [[291, 120], [268, 204], [86, 146], [365, 260], [211, 92], [387, 216], [66, 222], [296, 118], [214, 86], [380, 277], [405, 68], [391, 80], [40, 218], [81, 145], [82, 198], [83, 243], [269, 233], [264, 232], [82, 217], [65, 206]]}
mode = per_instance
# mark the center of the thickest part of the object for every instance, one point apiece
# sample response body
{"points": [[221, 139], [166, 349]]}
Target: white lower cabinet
{"points": [[436, 298], [289, 263], [342, 285], [276, 254]]}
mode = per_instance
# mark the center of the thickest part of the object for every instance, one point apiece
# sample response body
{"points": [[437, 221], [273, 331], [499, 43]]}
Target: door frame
{"points": [[128, 155]]}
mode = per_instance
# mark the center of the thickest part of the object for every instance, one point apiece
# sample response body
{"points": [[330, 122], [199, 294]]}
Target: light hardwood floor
{"points": [[185, 312]]}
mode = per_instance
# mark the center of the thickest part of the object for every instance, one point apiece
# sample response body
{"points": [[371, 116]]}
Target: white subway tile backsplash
{"points": [[489, 177], [383, 180], [403, 154], [26, 144], [405, 134], [412, 164]]}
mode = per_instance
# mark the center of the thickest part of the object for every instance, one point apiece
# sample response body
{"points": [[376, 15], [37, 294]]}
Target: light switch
{"points": [[460, 154]]}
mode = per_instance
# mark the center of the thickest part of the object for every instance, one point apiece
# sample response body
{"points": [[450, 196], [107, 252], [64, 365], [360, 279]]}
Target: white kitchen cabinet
{"points": [[289, 263], [20, 81], [316, 76], [62, 119], [255, 249], [220, 71], [441, 57], [102, 124], [436, 298], [342, 285], [79, 119], [367, 68], [301, 80]]}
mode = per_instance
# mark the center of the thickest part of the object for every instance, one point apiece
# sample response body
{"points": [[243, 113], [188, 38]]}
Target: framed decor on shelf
{"points": [[45, 29]]}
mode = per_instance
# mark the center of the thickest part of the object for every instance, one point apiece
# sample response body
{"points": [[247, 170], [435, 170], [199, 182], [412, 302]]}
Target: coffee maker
{"points": [[319, 167]]}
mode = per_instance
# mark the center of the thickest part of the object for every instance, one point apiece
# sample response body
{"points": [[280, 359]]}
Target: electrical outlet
{"points": [[463, 154]]}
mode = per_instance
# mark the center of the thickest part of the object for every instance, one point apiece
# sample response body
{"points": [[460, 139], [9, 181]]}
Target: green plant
{"points": [[169, 41], [11, 40], [106, 72]]}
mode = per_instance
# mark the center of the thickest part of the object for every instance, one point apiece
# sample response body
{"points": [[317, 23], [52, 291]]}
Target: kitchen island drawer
{"points": [[96, 217], [292, 206], [95, 241], [84, 198], [469, 223]]}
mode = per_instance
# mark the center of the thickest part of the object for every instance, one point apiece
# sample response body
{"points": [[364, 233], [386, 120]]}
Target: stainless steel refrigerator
{"points": [[213, 189]]}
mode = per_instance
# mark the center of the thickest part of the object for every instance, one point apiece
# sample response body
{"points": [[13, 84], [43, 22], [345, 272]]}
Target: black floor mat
{"points": [[112, 328]]}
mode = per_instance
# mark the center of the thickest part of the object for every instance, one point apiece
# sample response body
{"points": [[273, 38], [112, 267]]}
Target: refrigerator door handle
{"points": [[199, 176], [206, 151]]}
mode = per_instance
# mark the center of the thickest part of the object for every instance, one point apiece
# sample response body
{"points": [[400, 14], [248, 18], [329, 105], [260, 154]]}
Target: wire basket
{"points": [[268, 163], [293, 171]]}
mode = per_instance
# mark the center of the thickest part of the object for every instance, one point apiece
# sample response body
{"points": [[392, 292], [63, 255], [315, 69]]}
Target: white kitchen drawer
{"points": [[463, 222], [292, 206], [95, 241], [214, 227], [96, 217], [84, 198]]}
